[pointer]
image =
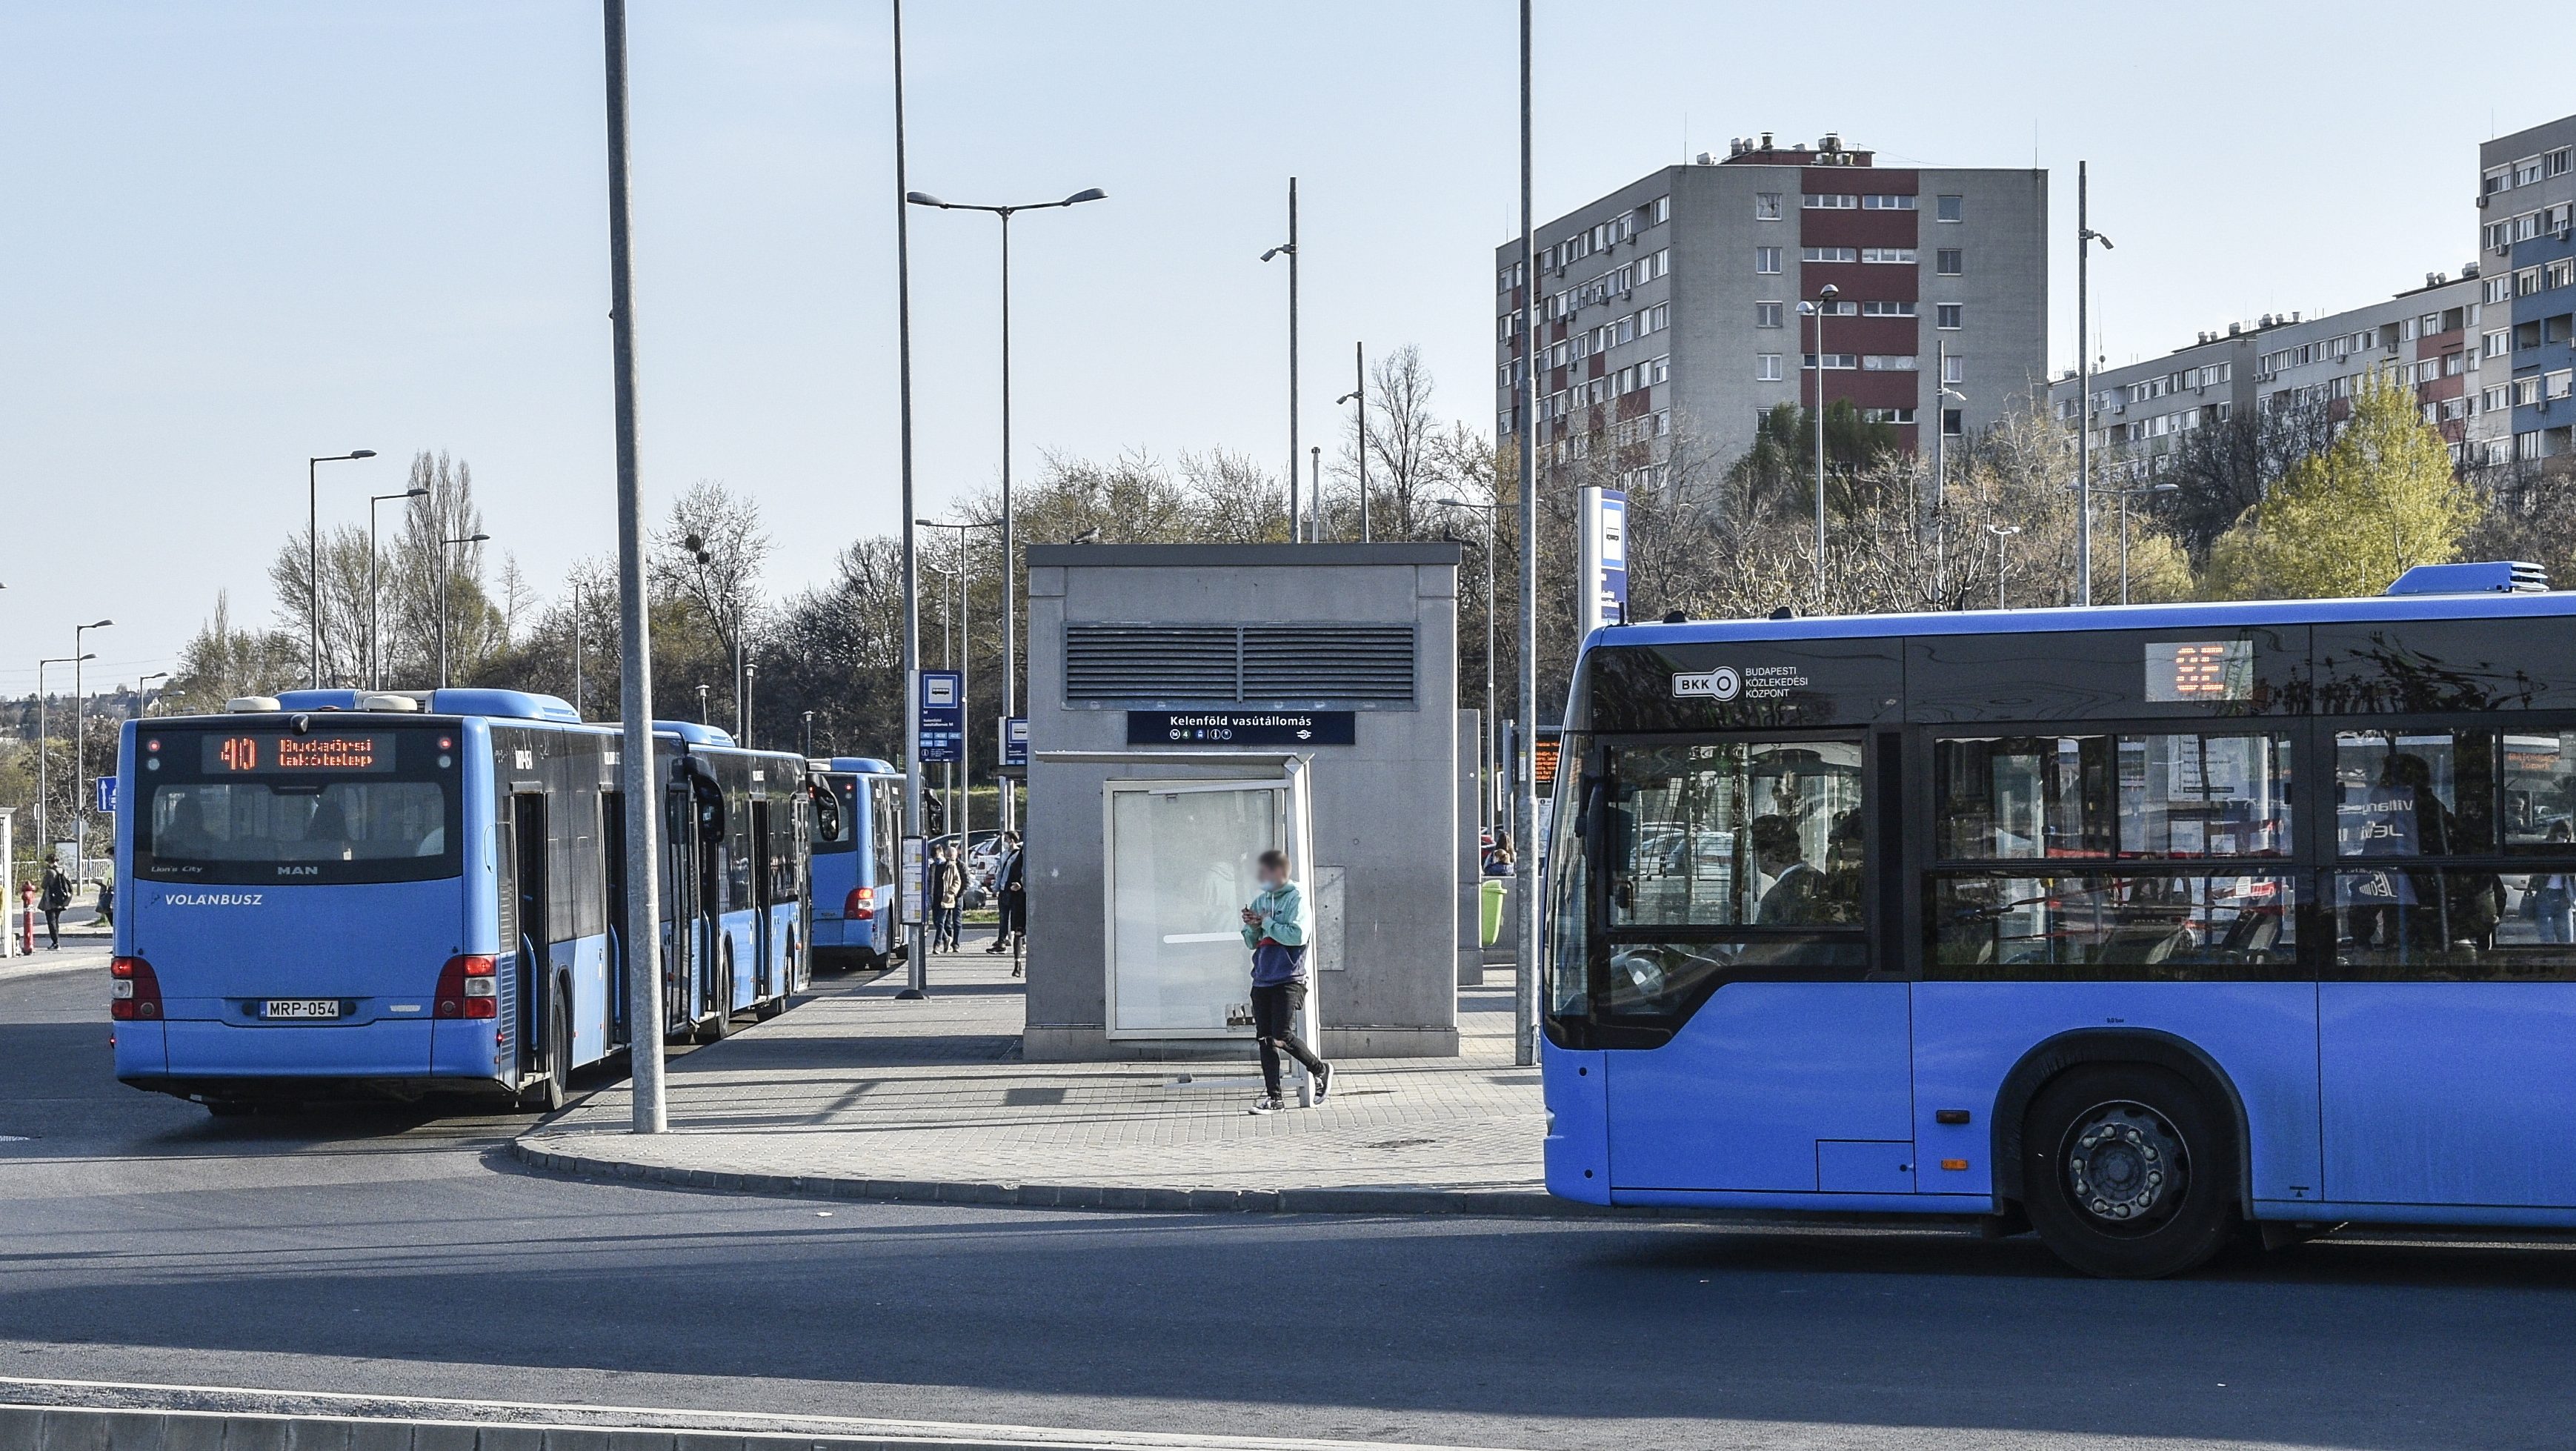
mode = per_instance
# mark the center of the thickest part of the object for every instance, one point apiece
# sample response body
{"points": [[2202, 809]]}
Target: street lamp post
{"points": [[809, 735], [1824, 303], [80, 749], [445, 545], [575, 590], [1010, 567], [1493, 728], [964, 660], [2003, 533], [44, 741], [1942, 393], [1525, 921], [702, 705], [2085, 237], [143, 696], [917, 948], [1359, 395], [375, 589], [2124, 495], [1315, 486], [1288, 249], [313, 551]]}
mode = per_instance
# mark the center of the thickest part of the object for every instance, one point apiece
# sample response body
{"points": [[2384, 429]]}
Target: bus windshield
{"points": [[845, 788], [381, 808]]}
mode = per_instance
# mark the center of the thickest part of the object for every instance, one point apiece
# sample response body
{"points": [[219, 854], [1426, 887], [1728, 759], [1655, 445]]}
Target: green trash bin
{"points": [[1494, 890]]}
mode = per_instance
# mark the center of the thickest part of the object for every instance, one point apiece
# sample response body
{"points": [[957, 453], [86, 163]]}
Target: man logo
{"points": [[1720, 685]]}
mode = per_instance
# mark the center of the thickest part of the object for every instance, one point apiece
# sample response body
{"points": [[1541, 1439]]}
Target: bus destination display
{"points": [[2200, 670], [287, 754]]}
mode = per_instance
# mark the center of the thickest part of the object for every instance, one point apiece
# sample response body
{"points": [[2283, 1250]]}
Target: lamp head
{"points": [[1087, 194], [923, 199], [1345, 398], [415, 493], [476, 538], [98, 624], [1283, 249], [1828, 292], [362, 453]]}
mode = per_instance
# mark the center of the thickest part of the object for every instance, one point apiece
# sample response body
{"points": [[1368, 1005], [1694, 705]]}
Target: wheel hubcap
{"points": [[2126, 1166]]}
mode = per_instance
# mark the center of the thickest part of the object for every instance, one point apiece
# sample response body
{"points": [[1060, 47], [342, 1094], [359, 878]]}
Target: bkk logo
{"points": [[1721, 685]]}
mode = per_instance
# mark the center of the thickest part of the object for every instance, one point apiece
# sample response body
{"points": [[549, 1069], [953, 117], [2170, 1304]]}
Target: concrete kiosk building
{"points": [[1195, 664]]}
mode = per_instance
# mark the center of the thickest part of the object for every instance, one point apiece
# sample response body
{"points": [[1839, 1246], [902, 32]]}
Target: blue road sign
{"points": [[106, 795], [1015, 740], [943, 716]]}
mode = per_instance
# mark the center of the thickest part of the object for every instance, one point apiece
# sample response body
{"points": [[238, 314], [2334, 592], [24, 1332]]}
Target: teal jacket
{"points": [[1281, 924]]}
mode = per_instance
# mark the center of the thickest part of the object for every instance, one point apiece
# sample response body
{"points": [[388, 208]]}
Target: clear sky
{"points": [[234, 235]]}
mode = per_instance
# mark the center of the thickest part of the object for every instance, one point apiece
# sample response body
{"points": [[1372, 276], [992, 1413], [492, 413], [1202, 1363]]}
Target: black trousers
{"points": [[1274, 1022], [53, 926]]}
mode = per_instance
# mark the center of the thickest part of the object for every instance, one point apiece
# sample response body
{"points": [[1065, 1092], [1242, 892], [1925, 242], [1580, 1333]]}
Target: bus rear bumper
{"points": [[280, 1089], [400, 1060]]}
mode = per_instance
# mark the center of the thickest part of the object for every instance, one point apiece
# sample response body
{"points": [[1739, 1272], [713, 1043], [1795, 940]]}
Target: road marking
{"points": [[248, 1400]]}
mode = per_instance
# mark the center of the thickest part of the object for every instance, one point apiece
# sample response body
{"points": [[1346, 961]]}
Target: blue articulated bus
{"points": [[334, 893], [2144, 927], [856, 924]]}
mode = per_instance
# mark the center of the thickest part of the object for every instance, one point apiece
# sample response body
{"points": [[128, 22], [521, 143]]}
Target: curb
{"points": [[1107, 1198]]}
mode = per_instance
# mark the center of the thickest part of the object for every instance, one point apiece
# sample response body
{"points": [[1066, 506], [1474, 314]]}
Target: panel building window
{"points": [[1766, 259], [1950, 209], [1766, 368], [1950, 261], [1947, 316], [1766, 206], [1769, 314]]}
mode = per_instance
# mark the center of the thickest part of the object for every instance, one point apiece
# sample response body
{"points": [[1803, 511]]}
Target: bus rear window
{"points": [[387, 814]]}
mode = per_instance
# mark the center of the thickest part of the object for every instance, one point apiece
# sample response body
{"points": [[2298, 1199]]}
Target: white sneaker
{"points": [[1265, 1104]]}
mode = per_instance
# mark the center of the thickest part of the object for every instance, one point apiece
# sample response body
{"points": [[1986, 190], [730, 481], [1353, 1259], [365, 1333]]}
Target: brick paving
{"points": [[856, 1093]]}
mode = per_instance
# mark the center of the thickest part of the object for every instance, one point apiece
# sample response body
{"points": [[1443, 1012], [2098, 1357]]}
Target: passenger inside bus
{"points": [[1791, 900]]}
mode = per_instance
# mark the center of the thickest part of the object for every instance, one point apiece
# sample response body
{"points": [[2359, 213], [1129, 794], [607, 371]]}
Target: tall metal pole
{"points": [[1824, 299], [1940, 475], [2084, 386], [1493, 728], [1359, 387], [636, 777], [917, 948], [1315, 483], [1525, 803], [1295, 532], [313, 570], [441, 576], [576, 650], [1010, 567], [80, 751]]}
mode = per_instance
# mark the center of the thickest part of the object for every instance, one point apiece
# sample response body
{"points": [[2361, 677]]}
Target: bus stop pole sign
{"points": [[943, 717], [1605, 558]]}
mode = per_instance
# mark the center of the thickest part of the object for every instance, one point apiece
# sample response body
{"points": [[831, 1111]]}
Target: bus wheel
{"points": [[551, 1092], [722, 1023], [2131, 1172]]}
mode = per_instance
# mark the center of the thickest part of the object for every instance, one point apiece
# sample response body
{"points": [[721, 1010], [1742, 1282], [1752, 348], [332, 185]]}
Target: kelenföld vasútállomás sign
{"points": [[1241, 728]]}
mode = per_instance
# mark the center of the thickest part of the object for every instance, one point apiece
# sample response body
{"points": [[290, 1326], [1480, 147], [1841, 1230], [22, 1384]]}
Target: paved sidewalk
{"points": [[854, 1094]]}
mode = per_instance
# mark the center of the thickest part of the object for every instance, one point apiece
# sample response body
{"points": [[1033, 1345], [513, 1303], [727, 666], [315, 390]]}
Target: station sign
{"points": [[943, 717], [1015, 740], [1242, 728]]}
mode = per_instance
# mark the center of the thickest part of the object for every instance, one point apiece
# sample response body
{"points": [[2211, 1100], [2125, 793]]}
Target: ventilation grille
{"points": [[1240, 664]]}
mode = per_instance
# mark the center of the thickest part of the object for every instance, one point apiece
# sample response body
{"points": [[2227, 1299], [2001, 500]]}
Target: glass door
{"points": [[1181, 858]]}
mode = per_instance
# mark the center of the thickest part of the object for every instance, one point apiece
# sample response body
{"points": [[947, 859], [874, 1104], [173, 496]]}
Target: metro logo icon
{"points": [[1721, 684]]}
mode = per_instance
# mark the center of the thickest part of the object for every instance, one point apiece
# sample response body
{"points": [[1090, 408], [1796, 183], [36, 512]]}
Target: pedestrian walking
{"points": [[53, 901], [107, 903], [1274, 927], [947, 890], [1010, 888]]}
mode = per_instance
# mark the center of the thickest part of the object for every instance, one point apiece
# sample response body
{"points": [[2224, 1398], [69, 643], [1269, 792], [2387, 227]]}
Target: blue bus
{"points": [[2147, 928], [333, 893], [856, 921]]}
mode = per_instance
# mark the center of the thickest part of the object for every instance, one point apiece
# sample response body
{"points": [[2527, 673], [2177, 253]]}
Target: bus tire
{"points": [[721, 1023], [553, 1090], [2131, 1172]]}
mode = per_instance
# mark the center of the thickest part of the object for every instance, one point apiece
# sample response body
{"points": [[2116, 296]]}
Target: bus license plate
{"points": [[302, 1008]]}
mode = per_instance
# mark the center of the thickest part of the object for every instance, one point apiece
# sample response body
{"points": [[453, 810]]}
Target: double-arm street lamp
{"points": [[1288, 249], [1359, 395], [1010, 622], [2085, 237], [1823, 305], [2124, 495], [313, 550], [375, 588], [80, 748], [44, 740], [2003, 537]]}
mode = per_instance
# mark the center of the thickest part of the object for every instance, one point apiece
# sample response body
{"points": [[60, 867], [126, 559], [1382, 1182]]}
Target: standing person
{"points": [[947, 897], [1274, 927], [1010, 885], [107, 903], [53, 901]]}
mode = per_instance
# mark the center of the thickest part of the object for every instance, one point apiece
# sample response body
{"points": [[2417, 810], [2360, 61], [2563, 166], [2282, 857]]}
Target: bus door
{"points": [[764, 875], [2447, 1014], [680, 851], [1768, 1055], [535, 980], [612, 859]]}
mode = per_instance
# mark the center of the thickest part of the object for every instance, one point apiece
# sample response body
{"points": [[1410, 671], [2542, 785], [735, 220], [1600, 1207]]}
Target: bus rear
{"points": [[299, 920], [853, 867]]}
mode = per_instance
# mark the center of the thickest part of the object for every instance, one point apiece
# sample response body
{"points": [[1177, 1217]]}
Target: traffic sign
{"points": [[1015, 740], [943, 716], [106, 795]]}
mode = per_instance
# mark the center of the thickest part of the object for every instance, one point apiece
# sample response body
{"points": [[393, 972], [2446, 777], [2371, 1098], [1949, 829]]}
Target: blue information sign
{"points": [[943, 717], [1015, 740], [106, 795]]}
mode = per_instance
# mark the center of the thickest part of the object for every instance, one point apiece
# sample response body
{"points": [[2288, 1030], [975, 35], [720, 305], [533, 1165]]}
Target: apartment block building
{"points": [[2527, 356], [1692, 298], [2144, 412]]}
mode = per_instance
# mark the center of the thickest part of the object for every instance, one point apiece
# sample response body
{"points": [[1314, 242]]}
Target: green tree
{"points": [[2379, 500]]}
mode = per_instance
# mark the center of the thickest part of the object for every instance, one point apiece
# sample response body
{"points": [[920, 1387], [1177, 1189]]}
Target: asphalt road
{"points": [[400, 1253]]}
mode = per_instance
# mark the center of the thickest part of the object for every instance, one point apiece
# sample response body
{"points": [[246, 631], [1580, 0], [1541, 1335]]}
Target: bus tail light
{"points": [[133, 991], [860, 905], [467, 988]]}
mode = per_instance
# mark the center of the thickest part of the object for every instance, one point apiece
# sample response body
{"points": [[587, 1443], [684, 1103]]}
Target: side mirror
{"points": [[827, 812], [710, 802]]}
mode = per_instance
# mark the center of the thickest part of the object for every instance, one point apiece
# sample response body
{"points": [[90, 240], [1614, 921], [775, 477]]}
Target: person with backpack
{"points": [[1275, 928], [53, 901]]}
